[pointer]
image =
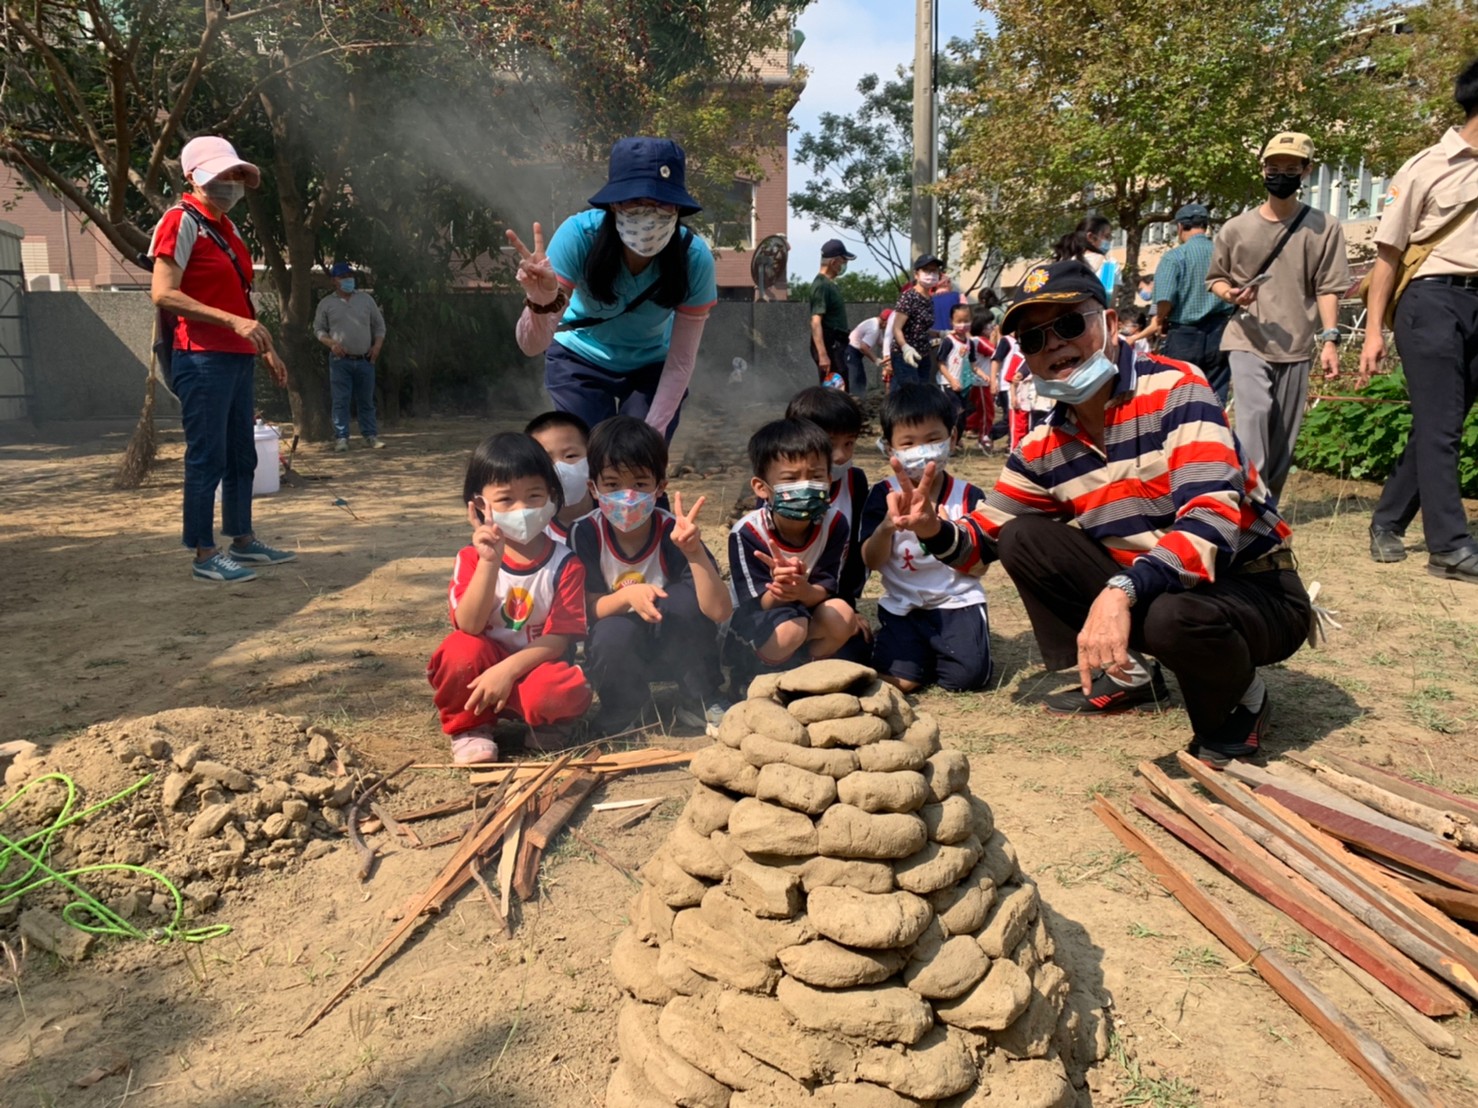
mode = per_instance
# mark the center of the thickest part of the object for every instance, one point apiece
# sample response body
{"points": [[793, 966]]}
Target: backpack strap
{"points": [[636, 302], [209, 230]]}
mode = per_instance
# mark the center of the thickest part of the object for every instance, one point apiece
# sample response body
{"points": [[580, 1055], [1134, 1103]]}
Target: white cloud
{"points": [[846, 39]]}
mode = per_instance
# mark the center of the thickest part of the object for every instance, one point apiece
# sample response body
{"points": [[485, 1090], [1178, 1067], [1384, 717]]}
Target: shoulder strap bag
{"points": [[1411, 260]]}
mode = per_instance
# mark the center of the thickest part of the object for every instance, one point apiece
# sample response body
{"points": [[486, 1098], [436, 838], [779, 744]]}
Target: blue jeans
{"points": [[904, 374], [353, 378], [217, 411], [594, 393]]}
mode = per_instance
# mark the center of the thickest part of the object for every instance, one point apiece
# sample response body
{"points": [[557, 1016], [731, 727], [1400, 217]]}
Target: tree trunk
{"points": [[307, 382], [1133, 225]]}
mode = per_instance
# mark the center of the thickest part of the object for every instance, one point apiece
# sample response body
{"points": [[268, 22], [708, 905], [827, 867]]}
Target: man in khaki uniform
{"points": [[1436, 325], [1270, 340]]}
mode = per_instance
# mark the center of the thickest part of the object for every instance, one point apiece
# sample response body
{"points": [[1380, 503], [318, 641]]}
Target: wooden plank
{"points": [[580, 786], [619, 805], [637, 816], [1415, 946], [1448, 826], [1234, 852], [1430, 1033], [1322, 851], [1309, 788], [508, 859], [1402, 786], [1458, 905], [1387, 1077], [454, 875], [1432, 858]]}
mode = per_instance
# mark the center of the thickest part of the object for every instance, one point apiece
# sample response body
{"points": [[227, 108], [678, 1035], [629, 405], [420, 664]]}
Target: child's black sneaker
{"points": [[1107, 697]]}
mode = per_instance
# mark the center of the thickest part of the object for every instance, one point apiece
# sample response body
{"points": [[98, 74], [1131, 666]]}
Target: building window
{"points": [[728, 223]]}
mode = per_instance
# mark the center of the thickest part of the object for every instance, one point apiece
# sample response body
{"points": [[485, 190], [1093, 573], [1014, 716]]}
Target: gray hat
{"points": [[1191, 213]]}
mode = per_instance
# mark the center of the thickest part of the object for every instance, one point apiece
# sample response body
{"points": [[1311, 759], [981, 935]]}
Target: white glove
{"points": [[1321, 620], [911, 356]]}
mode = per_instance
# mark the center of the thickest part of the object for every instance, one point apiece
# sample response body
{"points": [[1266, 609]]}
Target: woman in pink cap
{"points": [[202, 279]]}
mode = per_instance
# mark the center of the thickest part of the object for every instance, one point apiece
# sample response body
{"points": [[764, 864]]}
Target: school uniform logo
{"points": [[518, 606], [631, 577]]}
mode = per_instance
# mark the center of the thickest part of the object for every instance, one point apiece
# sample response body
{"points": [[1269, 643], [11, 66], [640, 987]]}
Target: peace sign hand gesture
{"points": [[685, 533], [910, 508], [535, 273]]}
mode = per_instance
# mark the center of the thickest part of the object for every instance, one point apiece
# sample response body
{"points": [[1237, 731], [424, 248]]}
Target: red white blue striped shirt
{"points": [[1170, 495]]}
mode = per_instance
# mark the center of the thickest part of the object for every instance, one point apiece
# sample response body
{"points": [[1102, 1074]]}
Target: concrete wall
{"points": [[88, 351]]}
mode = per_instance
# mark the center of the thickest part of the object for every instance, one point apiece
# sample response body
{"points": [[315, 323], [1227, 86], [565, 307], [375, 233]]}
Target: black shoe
{"points": [[1240, 738], [1386, 546], [1107, 697], [1456, 565]]}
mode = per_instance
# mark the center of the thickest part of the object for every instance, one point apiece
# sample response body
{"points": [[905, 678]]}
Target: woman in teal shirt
{"points": [[618, 304]]}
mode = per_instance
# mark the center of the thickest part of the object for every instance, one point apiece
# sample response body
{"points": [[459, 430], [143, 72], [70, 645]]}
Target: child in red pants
{"points": [[517, 602]]}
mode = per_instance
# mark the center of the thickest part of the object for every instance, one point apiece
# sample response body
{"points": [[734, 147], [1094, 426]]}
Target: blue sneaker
{"points": [[222, 567], [258, 553]]}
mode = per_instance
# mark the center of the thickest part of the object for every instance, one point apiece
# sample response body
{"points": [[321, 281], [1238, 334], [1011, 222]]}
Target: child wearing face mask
{"points": [[840, 417], [517, 605], [653, 590], [786, 556], [956, 367], [933, 623], [565, 437]]}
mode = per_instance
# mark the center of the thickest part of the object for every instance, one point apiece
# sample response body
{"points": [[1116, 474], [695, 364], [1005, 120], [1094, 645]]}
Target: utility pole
{"points": [[924, 221]]}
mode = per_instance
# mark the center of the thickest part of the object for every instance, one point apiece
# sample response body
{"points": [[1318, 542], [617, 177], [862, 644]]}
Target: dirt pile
{"points": [[230, 793], [835, 920]]}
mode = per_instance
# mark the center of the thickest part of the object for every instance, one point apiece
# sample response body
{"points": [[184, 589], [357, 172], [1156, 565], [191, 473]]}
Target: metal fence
{"points": [[15, 365]]}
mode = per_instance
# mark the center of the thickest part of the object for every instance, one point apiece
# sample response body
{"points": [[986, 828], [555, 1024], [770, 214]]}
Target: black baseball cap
{"points": [[835, 248], [1065, 282], [927, 261]]}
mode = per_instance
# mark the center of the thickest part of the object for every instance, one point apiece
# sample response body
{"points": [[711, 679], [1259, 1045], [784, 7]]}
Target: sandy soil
{"points": [[102, 625]]}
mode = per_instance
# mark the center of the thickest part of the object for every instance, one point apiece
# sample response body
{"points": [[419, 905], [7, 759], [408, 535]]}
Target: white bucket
{"points": [[268, 478]]}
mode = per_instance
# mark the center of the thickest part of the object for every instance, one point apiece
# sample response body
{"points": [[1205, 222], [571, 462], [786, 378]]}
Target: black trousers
{"points": [[624, 654], [837, 344], [1437, 338], [1211, 637], [1200, 344]]}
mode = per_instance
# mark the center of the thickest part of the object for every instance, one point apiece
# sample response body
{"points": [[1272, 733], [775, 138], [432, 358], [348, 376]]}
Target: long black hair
{"points": [[607, 256], [1074, 244]]}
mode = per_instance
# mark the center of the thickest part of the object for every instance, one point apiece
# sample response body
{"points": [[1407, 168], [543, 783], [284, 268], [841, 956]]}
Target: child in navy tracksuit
{"points": [[840, 417], [654, 592], [933, 626], [786, 556]]}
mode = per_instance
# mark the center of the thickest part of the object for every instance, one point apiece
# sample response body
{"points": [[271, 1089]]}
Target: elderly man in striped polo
{"points": [[1175, 552]]}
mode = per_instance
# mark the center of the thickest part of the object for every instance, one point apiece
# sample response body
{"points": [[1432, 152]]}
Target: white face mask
{"points": [[645, 230], [574, 478], [915, 458], [927, 280], [225, 195], [839, 472], [522, 524]]}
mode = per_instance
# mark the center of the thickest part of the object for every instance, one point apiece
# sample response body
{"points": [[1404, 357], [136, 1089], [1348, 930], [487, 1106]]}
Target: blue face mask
{"points": [[346, 284], [1085, 380]]}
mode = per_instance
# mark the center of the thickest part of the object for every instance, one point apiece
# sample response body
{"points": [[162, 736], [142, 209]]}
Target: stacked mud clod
{"points": [[835, 921]]}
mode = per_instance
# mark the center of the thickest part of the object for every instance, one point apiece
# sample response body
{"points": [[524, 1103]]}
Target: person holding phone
{"points": [[618, 304], [1281, 266]]}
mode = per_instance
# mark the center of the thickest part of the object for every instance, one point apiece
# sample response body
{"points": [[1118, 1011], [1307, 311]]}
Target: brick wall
{"points": [[58, 240]]}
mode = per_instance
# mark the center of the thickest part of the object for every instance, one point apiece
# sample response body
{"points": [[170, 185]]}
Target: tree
{"points": [[856, 288], [97, 97], [1133, 110], [862, 164]]}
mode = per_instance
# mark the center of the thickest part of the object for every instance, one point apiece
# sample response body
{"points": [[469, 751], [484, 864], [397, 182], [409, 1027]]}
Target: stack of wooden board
{"points": [[1371, 864]]}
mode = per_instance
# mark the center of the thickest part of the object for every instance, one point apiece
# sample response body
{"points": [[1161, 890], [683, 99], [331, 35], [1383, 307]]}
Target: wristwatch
{"points": [[1330, 335], [1125, 584]]}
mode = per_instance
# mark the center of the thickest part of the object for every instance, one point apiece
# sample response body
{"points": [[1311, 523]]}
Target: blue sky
{"points": [[846, 39]]}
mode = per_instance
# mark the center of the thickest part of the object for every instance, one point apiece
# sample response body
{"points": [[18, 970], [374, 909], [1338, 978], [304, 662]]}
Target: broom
{"points": [[142, 446]]}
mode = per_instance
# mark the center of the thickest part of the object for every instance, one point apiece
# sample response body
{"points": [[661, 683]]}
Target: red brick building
{"points": [[61, 250]]}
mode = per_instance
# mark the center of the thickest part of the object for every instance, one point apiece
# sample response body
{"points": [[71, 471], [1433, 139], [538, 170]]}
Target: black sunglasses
{"points": [[1066, 327]]}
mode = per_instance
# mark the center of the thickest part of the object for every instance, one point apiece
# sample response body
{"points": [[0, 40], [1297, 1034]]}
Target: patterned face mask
{"points": [[807, 500], [627, 509], [645, 230], [915, 458]]}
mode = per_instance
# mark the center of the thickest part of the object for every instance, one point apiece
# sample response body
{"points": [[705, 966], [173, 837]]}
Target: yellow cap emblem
{"points": [[1035, 279]]}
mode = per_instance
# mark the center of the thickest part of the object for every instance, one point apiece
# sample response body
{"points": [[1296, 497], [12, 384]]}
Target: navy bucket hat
{"points": [[647, 169]]}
